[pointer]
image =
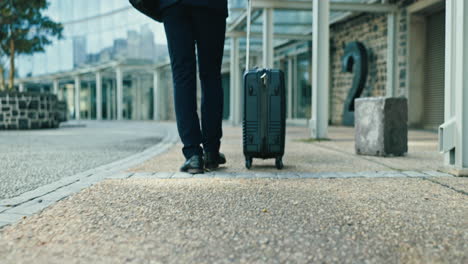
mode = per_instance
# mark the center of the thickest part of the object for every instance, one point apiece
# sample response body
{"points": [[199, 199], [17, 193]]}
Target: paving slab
{"points": [[437, 174], [29, 208], [121, 175], [181, 175], [348, 174], [143, 175], [457, 183], [163, 175], [359, 220], [223, 175], [65, 191], [203, 176], [287, 175], [11, 218], [3, 208], [40, 191], [267, 175], [414, 173], [391, 174]]}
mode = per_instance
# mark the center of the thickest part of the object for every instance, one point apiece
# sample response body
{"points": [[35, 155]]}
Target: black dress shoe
{"points": [[194, 165], [213, 160]]}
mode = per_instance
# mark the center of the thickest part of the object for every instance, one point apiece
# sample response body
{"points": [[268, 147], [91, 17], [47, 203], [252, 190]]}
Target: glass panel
{"points": [[225, 78], [304, 89], [95, 32]]}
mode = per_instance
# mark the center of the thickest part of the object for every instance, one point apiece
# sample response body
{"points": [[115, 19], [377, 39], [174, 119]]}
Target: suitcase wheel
{"points": [[279, 163], [248, 163]]}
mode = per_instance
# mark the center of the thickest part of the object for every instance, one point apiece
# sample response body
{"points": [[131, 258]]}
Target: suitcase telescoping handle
{"points": [[264, 76], [247, 55]]}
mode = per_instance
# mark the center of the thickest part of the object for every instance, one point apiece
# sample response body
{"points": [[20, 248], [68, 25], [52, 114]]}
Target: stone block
{"points": [[35, 125], [32, 115], [45, 124], [34, 105], [23, 123], [381, 126], [23, 110], [22, 104]]}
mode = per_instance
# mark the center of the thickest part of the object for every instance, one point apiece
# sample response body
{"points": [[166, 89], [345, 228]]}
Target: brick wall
{"points": [[30, 110], [371, 30]]}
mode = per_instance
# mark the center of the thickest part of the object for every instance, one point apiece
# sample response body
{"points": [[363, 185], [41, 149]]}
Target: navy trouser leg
{"points": [[210, 27], [181, 42], [186, 26]]}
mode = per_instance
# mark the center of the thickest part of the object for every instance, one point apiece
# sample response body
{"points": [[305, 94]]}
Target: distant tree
{"points": [[24, 30], [2, 71]]}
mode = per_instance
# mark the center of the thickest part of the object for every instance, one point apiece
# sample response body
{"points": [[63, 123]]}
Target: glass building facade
{"points": [[96, 32]]}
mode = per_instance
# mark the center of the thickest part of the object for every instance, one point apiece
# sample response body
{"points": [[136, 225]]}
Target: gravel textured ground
{"points": [[335, 155], [247, 221], [29, 159]]}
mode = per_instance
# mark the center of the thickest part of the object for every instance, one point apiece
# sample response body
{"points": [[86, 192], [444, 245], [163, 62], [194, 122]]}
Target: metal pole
{"points": [[156, 98], [21, 87], [290, 87], [233, 82], [89, 104], [119, 79], [453, 134], [108, 100], [98, 95], [320, 68], [268, 38], [77, 90], [138, 105], [55, 85], [392, 58]]}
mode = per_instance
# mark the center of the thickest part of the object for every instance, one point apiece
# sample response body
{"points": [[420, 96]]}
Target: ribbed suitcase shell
{"points": [[264, 124]]}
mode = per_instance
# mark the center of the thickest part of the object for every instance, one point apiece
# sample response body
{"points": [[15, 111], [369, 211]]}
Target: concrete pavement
{"points": [[328, 205], [303, 155], [247, 221]]}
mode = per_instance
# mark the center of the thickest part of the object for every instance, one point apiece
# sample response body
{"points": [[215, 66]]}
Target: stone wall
{"points": [[30, 110], [371, 30]]}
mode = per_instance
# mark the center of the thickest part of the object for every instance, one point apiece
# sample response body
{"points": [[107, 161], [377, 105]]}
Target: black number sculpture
{"points": [[355, 61]]}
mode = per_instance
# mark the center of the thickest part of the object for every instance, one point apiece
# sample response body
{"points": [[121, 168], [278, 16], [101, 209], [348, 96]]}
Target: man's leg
{"points": [[209, 28], [181, 43]]}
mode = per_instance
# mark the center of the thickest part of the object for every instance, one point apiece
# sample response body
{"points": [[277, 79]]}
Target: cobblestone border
{"points": [[286, 175], [28, 203]]}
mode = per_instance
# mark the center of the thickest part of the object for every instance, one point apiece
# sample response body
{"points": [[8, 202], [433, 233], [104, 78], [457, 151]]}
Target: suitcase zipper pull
{"points": [[264, 78]]}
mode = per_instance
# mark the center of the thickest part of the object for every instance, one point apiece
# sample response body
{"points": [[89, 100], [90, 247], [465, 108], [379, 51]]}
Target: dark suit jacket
{"points": [[221, 5], [155, 8]]}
